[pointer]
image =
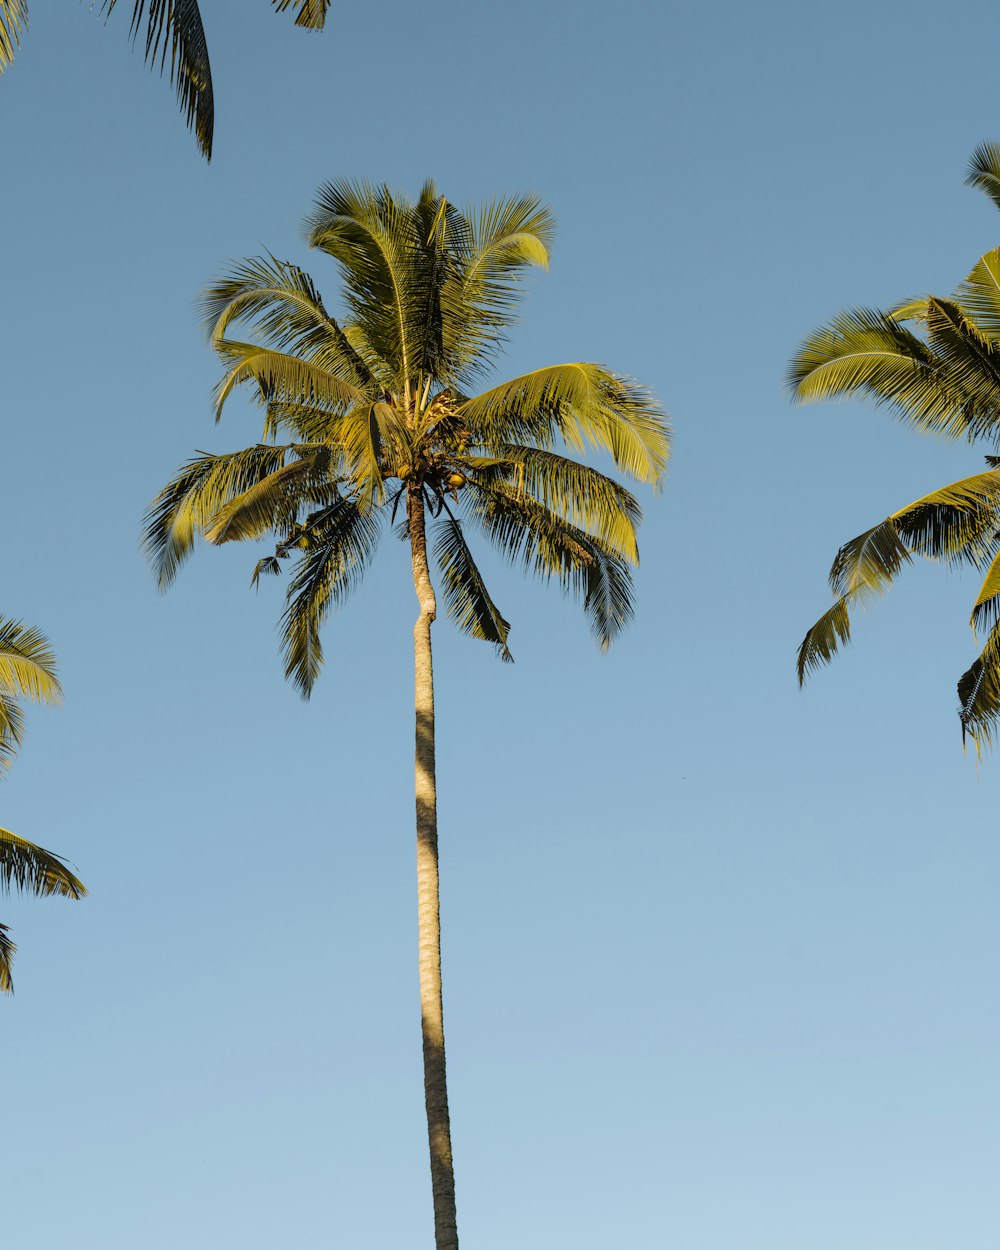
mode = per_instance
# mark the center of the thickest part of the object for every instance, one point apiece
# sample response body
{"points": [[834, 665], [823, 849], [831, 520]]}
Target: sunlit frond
{"points": [[979, 295], [27, 663], [578, 493], [284, 377], [984, 171], [271, 503], [466, 598], [172, 30], [194, 497], [866, 352], [582, 404], [13, 23], [29, 868], [281, 301], [11, 729], [340, 545], [308, 13]]}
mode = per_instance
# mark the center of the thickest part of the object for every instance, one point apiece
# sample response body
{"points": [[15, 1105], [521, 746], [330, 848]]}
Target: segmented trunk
{"points": [[428, 901]]}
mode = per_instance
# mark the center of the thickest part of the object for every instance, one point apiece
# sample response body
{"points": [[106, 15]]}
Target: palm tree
{"points": [[174, 27], [27, 671], [378, 423], [942, 376]]}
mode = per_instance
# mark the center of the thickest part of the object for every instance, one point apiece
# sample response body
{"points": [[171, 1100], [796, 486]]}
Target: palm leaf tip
{"points": [[7, 951], [823, 640], [33, 870], [309, 14], [13, 21], [984, 170]]}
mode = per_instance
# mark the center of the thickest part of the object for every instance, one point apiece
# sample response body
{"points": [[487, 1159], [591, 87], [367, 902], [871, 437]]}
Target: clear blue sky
{"points": [[720, 957]]}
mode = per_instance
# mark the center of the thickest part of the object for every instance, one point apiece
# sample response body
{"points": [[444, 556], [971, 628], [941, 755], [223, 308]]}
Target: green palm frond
{"points": [[578, 493], [340, 545], [869, 353], [525, 531], [466, 598], [271, 503], [280, 300], [968, 364], [7, 951], [984, 171], [173, 28], [27, 671], [188, 505], [282, 376], [29, 868], [308, 13], [13, 23], [582, 404], [979, 295]]}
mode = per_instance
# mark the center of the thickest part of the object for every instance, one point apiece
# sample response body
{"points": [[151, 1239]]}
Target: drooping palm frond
{"points": [[282, 376], [524, 531], [13, 23], [341, 543], [273, 502], [466, 598], [577, 492], [29, 868], [957, 523], [979, 694], [979, 295], [173, 28], [583, 405], [869, 353], [189, 503], [310, 14]]}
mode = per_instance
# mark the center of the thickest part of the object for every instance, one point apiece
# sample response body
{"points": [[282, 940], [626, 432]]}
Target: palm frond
{"points": [[582, 404], [342, 542], [968, 364], [979, 294], [577, 492], [271, 503], [984, 171], [194, 497], [957, 523], [174, 28], [13, 22], [869, 353], [308, 13], [979, 694], [27, 663], [282, 302], [30, 868], [7, 951], [11, 729], [466, 598], [524, 531], [823, 640], [282, 376]]}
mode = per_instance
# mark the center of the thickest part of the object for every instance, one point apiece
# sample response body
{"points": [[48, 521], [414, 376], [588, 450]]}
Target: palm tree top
{"points": [[935, 363], [359, 411]]}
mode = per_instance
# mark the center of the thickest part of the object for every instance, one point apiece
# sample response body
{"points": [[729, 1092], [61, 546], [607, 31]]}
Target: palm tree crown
{"points": [[172, 32], [378, 405], [936, 363], [27, 671]]}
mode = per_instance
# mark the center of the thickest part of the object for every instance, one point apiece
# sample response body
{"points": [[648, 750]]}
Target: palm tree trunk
{"points": [[428, 901]]}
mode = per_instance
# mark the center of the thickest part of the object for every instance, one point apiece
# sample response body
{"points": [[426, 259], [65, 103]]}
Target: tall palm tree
{"points": [[27, 671], [172, 30], [379, 426], [936, 363]]}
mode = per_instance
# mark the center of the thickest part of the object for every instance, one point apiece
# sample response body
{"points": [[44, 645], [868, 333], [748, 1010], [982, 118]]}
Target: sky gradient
{"points": [[720, 956]]}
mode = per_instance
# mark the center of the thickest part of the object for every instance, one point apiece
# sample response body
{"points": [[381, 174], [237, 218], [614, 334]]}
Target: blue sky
{"points": [[720, 956]]}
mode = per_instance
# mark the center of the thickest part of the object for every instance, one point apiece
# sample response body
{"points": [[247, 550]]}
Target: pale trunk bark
{"points": [[428, 904]]}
